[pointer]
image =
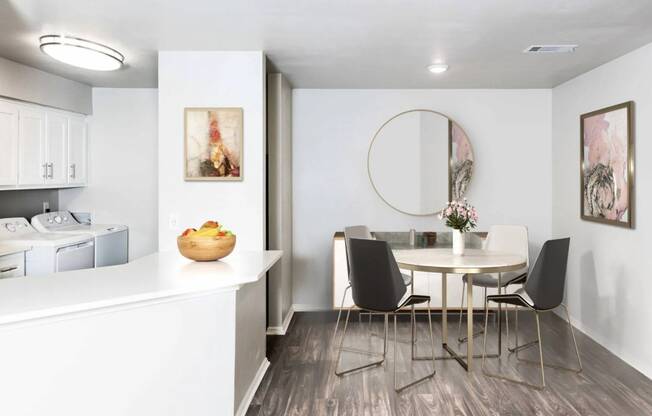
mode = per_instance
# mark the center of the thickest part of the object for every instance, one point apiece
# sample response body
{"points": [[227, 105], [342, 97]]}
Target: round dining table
{"points": [[473, 261]]}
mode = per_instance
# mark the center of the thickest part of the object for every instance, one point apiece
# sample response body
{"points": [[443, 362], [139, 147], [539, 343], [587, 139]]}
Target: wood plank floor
{"points": [[301, 379]]}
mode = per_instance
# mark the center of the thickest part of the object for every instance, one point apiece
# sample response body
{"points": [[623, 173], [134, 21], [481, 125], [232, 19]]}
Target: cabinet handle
{"points": [[45, 170], [51, 167], [8, 269], [73, 171]]}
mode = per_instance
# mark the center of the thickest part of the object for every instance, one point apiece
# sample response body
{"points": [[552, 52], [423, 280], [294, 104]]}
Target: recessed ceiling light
{"points": [[437, 68], [81, 53]]}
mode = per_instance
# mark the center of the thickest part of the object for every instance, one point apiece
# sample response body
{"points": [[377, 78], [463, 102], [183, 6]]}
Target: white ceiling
{"points": [[341, 43]]}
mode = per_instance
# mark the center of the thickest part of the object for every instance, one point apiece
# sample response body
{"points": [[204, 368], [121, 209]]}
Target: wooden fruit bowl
{"points": [[205, 248]]}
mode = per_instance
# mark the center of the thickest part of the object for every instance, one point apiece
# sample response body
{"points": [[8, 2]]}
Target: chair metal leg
{"points": [[543, 374], [507, 325], [459, 323], [339, 372], [513, 380], [555, 366], [518, 347], [521, 347], [398, 388], [570, 326], [339, 314]]}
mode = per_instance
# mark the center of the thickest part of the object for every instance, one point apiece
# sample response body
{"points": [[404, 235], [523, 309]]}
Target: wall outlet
{"points": [[46, 206], [173, 222]]}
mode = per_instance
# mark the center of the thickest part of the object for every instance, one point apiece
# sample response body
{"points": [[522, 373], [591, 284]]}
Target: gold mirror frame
{"points": [[450, 158]]}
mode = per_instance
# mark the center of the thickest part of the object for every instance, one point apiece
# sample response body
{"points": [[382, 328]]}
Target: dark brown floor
{"points": [[300, 380]]}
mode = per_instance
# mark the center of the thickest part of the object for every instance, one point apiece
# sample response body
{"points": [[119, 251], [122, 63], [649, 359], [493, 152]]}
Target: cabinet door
{"points": [[31, 147], [8, 144], [77, 151], [57, 148]]}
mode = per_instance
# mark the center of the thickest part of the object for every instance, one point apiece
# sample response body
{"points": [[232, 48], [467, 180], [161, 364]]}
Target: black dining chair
{"points": [[543, 292], [378, 286], [361, 232]]}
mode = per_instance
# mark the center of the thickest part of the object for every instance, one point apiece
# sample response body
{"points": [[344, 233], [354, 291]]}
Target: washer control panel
{"points": [[11, 227], [53, 220]]}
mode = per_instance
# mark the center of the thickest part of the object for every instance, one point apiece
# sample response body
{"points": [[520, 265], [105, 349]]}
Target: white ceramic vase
{"points": [[458, 243]]}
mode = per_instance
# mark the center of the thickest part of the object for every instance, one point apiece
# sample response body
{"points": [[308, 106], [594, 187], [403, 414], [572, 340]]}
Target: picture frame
{"points": [[607, 165], [213, 143]]}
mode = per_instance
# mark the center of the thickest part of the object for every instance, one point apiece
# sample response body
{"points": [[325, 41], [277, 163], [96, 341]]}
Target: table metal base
{"points": [[466, 361]]}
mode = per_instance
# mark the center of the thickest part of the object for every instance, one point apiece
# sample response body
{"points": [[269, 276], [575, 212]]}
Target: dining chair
{"points": [[378, 286], [509, 239], [360, 232], [543, 292]]}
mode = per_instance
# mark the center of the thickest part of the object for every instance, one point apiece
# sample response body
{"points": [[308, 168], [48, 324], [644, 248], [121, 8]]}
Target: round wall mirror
{"points": [[419, 160]]}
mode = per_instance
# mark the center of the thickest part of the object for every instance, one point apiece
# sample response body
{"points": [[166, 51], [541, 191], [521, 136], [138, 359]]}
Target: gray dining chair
{"points": [[505, 238], [360, 232], [543, 292], [378, 286]]}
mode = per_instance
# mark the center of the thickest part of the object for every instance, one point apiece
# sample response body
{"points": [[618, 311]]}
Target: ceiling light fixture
{"points": [[81, 53], [437, 68]]}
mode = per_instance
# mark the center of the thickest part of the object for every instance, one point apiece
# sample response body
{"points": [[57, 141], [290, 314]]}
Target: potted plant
{"points": [[462, 218]]}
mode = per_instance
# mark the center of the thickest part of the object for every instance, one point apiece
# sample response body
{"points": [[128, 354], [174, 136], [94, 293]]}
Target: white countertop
{"points": [[6, 249], [156, 276]]}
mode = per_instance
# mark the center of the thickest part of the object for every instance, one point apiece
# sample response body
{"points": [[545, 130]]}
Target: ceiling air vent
{"points": [[550, 49]]}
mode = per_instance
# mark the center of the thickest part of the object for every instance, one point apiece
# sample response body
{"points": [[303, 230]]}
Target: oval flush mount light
{"points": [[437, 68], [81, 53]]}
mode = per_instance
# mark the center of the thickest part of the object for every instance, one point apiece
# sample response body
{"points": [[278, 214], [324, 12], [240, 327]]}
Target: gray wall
{"points": [[279, 150], [27, 203], [25, 83]]}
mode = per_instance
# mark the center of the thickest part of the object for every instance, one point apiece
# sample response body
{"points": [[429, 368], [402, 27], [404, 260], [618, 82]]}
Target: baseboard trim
{"points": [[298, 307], [282, 330], [251, 391]]}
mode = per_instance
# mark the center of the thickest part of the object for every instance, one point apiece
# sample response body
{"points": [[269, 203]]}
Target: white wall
{"points": [[215, 79], [609, 267], [25, 83], [212, 79], [332, 129], [122, 181]]}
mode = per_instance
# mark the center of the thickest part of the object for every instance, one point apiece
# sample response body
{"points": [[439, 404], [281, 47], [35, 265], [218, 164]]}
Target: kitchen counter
{"points": [[7, 249], [163, 335], [156, 276]]}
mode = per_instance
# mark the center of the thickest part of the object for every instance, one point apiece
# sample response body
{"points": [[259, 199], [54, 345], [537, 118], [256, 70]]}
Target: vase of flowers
{"points": [[462, 218]]}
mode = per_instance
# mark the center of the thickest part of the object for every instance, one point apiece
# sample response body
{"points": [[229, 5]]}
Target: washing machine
{"points": [[50, 253], [111, 241]]}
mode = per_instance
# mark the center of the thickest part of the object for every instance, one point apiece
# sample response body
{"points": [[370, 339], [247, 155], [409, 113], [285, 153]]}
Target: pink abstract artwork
{"points": [[461, 162], [605, 161]]}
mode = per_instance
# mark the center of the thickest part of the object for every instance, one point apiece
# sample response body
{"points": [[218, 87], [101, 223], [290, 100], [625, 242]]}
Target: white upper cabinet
{"points": [[8, 144], [77, 150], [32, 167], [47, 148], [56, 149]]}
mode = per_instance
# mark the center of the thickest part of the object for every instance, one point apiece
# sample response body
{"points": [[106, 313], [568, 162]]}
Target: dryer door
{"points": [[75, 257]]}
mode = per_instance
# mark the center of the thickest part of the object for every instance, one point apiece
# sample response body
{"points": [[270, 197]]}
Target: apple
{"points": [[211, 224], [187, 232]]}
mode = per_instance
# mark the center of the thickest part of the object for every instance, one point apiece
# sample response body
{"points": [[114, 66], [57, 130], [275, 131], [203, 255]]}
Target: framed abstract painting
{"points": [[213, 144], [607, 165], [460, 166]]}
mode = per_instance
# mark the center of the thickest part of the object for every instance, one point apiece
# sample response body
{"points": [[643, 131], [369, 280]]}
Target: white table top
{"points": [[442, 260], [156, 276]]}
